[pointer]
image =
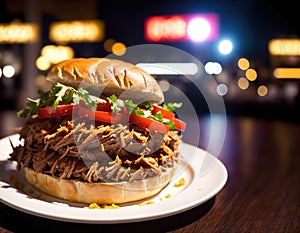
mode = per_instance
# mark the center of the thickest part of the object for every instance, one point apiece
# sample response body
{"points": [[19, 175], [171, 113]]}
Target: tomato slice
{"points": [[60, 110], [165, 113], [179, 124], [148, 123], [108, 117], [105, 107]]}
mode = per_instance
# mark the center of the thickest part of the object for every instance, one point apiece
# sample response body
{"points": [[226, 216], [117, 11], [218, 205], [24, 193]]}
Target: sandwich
{"points": [[101, 134]]}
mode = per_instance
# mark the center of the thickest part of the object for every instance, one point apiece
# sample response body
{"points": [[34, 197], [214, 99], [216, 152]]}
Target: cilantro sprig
{"points": [[135, 108], [115, 103], [171, 106], [145, 109], [159, 117], [59, 93]]}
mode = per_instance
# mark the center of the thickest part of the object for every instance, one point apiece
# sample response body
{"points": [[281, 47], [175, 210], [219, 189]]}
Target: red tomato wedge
{"points": [[148, 123], [60, 110], [179, 124], [108, 117], [165, 113], [104, 107]]}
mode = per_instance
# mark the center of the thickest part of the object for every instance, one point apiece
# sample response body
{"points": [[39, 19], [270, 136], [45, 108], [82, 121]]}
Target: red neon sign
{"points": [[175, 27]]}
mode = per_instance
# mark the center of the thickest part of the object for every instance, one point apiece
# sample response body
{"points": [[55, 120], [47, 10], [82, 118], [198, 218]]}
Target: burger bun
{"points": [[107, 76], [101, 193]]}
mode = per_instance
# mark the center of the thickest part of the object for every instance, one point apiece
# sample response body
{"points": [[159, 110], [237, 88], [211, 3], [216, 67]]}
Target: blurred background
{"points": [[250, 48]]}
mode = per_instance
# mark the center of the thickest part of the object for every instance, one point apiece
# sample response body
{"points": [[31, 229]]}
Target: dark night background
{"points": [[251, 24]]}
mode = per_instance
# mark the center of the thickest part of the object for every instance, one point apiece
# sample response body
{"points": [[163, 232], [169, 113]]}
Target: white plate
{"points": [[204, 174]]}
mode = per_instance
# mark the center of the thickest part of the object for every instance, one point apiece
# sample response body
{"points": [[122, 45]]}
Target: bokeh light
{"points": [[198, 29], [108, 43], [243, 83], [119, 48], [222, 89], [251, 74], [262, 90], [9, 71], [213, 68], [225, 47], [43, 63], [243, 63]]}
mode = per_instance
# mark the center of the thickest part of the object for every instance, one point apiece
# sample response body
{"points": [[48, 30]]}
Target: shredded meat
{"points": [[93, 152]]}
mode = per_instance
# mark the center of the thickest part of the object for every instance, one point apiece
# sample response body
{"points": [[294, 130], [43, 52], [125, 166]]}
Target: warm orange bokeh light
{"points": [[287, 73], [262, 90], [281, 47], [243, 64], [251, 74], [118, 49], [243, 83]]}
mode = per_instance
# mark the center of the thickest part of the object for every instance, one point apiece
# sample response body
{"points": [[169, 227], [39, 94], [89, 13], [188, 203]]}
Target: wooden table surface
{"points": [[262, 193]]}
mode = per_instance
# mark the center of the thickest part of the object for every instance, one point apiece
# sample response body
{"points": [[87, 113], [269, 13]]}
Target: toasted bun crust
{"points": [[101, 193], [108, 76]]}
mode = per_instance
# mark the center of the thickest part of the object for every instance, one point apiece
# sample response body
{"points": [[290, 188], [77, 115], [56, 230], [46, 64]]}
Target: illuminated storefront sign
{"points": [[192, 27], [19, 33], [285, 58], [281, 47], [77, 31], [287, 73]]}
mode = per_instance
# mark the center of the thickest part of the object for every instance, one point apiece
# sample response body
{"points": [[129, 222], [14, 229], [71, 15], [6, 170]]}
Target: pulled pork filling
{"points": [[94, 152]]}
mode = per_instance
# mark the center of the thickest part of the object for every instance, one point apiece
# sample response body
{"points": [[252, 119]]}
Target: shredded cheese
{"points": [[168, 195], [112, 206], [180, 182], [146, 203], [94, 206], [106, 206]]}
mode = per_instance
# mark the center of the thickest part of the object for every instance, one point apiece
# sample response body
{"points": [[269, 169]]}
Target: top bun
{"points": [[107, 76]]}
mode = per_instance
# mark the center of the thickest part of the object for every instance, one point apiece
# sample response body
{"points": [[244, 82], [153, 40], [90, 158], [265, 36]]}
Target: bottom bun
{"points": [[101, 193]]}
